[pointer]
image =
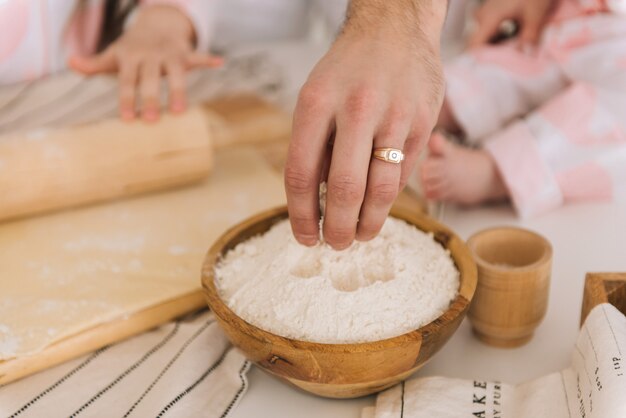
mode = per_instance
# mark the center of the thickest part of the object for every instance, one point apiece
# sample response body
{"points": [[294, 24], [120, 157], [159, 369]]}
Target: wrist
{"points": [[159, 17], [398, 21]]}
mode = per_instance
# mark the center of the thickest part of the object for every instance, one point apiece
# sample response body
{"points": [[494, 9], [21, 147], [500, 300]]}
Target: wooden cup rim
{"points": [[459, 252], [545, 258]]}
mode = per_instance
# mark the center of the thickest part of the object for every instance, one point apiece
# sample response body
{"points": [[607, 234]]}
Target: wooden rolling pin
{"points": [[46, 170]]}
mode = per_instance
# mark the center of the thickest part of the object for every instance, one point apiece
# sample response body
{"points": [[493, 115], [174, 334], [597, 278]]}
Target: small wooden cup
{"points": [[513, 284]]}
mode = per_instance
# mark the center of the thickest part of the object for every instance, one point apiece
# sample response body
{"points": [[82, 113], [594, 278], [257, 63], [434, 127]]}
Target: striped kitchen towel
{"points": [[185, 368]]}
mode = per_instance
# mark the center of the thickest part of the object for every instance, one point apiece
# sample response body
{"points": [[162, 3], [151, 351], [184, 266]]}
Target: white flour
{"points": [[378, 289]]}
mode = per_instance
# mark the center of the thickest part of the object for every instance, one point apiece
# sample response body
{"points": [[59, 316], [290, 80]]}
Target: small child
{"points": [[139, 40], [549, 125]]}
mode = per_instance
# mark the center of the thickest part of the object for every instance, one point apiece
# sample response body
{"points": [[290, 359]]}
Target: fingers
{"points": [[127, 80], [438, 145], [176, 84], [198, 59], [412, 149], [311, 128], [488, 27], [104, 62], [382, 181], [349, 166], [143, 74], [149, 88], [533, 21], [434, 184]]}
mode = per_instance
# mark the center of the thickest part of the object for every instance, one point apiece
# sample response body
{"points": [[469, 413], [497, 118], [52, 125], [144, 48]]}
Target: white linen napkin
{"points": [[185, 369], [594, 386]]}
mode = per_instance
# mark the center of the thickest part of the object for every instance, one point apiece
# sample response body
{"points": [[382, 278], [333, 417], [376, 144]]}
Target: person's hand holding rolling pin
{"points": [[160, 42]]}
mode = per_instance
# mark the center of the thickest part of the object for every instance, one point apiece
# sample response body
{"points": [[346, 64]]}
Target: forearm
{"points": [[405, 20]]}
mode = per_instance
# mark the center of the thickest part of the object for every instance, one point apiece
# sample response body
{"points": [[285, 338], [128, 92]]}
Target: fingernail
{"points": [[341, 247], [150, 115], [178, 106], [127, 114], [308, 240], [363, 238]]}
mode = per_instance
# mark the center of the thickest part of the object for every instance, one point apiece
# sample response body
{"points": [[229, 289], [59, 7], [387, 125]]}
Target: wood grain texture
{"points": [[603, 288], [100, 336], [138, 322], [511, 299], [341, 370], [246, 119], [73, 166]]}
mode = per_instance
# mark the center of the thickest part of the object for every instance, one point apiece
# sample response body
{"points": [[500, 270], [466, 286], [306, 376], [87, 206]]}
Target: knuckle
{"points": [[151, 56], [396, 122], [173, 61], [384, 193], [345, 189], [312, 96], [400, 112], [360, 103], [298, 181]]}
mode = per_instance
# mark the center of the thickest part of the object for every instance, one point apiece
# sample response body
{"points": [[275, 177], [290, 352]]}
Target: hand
{"points": [[531, 15], [376, 87], [160, 42]]}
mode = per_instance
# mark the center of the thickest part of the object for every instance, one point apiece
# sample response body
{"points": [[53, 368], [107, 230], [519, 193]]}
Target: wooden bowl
{"points": [[340, 370]]}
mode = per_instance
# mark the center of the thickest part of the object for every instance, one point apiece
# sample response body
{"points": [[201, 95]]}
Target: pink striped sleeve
{"points": [[531, 183]]}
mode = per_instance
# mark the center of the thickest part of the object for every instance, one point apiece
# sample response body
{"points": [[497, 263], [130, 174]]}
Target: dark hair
{"points": [[115, 14]]}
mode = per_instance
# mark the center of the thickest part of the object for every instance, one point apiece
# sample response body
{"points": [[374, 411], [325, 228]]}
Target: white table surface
{"points": [[585, 237]]}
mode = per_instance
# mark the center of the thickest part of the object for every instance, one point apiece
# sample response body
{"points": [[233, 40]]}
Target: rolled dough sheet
{"points": [[66, 272]]}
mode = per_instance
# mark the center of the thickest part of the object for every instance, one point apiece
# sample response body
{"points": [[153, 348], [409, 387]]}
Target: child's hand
{"points": [[160, 42], [531, 15]]}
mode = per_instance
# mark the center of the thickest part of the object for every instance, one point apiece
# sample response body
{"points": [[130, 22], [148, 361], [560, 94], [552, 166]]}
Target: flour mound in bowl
{"points": [[378, 289]]}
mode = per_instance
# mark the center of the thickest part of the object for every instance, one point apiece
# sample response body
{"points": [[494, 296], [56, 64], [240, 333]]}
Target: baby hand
{"points": [[531, 15], [159, 43]]}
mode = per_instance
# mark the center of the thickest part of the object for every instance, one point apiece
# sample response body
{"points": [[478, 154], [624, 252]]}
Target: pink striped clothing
{"points": [[554, 121], [38, 36]]}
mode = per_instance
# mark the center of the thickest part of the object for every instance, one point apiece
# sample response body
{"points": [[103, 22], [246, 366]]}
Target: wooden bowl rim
{"points": [[462, 259], [546, 257]]}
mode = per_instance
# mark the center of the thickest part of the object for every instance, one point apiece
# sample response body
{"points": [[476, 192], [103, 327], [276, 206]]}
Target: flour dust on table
{"points": [[378, 289]]}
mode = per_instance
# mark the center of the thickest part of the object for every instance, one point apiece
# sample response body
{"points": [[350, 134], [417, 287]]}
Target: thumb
{"points": [[198, 59], [101, 63], [530, 33], [533, 21], [487, 28]]}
